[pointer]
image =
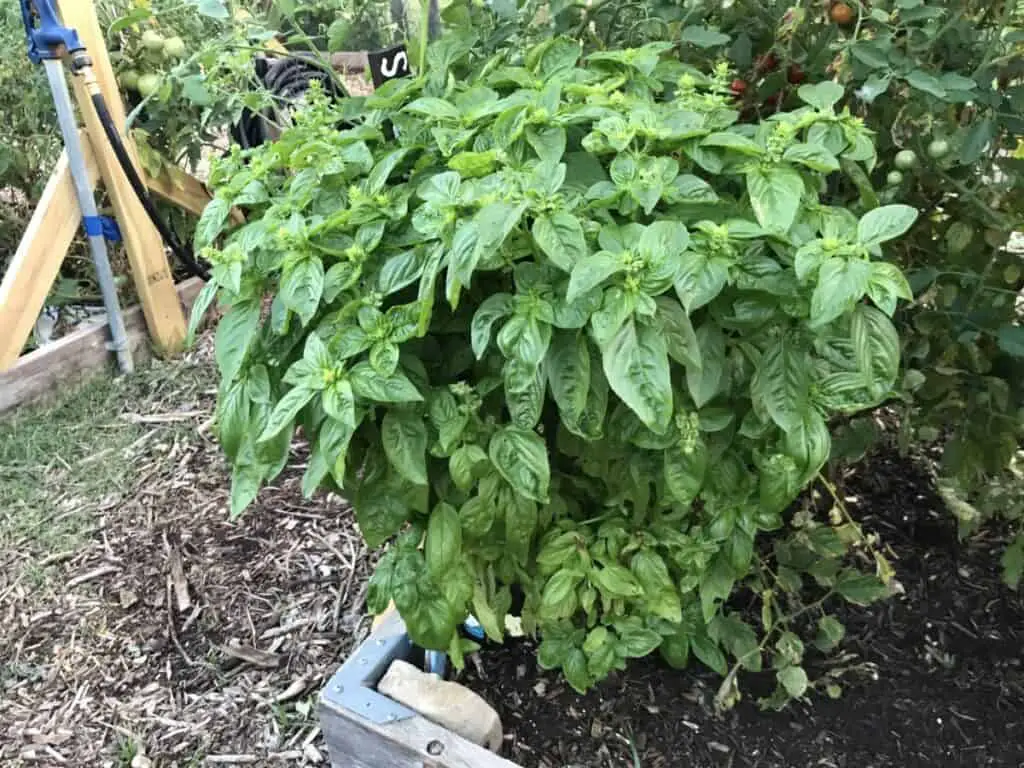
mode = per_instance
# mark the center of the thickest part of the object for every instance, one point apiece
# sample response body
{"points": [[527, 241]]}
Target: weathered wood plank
{"points": [[350, 61], [364, 729], [79, 354], [355, 742], [36, 263]]}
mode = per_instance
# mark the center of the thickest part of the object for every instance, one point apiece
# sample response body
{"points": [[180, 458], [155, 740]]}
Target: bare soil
{"points": [[933, 678]]}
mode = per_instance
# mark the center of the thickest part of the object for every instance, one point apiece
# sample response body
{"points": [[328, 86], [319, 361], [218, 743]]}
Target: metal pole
{"points": [[87, 203]]}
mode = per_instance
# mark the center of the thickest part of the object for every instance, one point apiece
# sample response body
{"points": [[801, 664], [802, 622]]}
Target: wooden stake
{"points": [[36, 263], [150, 269]]}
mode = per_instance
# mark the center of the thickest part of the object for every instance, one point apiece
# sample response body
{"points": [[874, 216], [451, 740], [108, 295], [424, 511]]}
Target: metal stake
{"points": [[87, 204]]}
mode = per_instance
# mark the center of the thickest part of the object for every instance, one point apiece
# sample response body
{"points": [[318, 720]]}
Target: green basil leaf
{"points": [[522, 459], [211, 222], [775, 195], [887, 285], [616, 581], [813, 156], [591, 272], [368, 384], [340, 403], [524, 392], [885, 223], [841, 284], [404, 436], [822, 96], [560, 237], [809, 445], [302, 286], [781, 383], [859, 588], [443, 546], [235, 332], [491, 309], [706, 381], [876, 345], [285, 411], [636, 365], [685, 472], [705, 649], [793, 680], [568, 371], [379, 518], [448, 419]]}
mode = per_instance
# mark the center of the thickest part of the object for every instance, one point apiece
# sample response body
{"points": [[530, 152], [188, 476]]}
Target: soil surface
{"points": [[156, 632], [935, 676]]}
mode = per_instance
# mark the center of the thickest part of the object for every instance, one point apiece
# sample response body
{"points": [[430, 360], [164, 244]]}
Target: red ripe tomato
{"points": [[795, 75], [738, 87], [841, 14], [766, 63]]}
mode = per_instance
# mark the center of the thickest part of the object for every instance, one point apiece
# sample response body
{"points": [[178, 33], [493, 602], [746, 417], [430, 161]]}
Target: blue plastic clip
{"points": [[46, 39], [102, 225]]}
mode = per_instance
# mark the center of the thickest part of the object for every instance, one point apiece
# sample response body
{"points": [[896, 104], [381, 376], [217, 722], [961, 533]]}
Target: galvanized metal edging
{"points": [[353, 686]]}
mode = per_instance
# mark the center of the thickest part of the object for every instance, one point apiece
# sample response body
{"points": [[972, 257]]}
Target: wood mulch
{"points": [[170, 635]]}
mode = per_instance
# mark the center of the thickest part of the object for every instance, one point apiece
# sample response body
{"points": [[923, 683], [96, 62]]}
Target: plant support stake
{"points": [[90, 215], [47, 41]]}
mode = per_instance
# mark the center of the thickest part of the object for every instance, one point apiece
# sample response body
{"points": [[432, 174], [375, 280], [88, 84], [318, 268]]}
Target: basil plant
{"points": [[561, 328]]}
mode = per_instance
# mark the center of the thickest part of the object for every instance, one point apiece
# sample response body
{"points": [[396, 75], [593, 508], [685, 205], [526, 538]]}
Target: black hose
{"points": [[182, 252], [286, 79]]}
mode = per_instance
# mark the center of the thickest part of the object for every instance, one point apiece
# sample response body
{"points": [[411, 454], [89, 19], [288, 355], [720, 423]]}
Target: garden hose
{"points": [[81, 66], [286, 79]]}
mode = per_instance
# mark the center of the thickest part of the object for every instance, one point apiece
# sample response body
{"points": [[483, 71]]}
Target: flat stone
{"points": [[448, 704]]}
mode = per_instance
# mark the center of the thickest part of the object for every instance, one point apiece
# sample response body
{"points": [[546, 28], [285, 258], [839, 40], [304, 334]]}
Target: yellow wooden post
{"points": [[151, 272], [36, 263]]}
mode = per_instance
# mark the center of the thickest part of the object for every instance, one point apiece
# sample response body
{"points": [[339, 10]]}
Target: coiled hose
{"points": [[285, 78]]}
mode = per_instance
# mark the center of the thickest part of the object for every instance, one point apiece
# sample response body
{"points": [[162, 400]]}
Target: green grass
{"points": [[60, 461]]}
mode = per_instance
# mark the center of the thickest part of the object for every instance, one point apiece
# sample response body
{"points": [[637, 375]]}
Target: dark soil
{"points": [[935, 676]]}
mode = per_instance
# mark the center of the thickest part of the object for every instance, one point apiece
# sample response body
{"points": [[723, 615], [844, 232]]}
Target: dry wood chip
{"points": [[296, 688], [177, 573], [231, 759], [96, 573], [251, 655]]}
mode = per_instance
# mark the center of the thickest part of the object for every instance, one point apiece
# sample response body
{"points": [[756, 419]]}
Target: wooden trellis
{"points": [[57, 219]]}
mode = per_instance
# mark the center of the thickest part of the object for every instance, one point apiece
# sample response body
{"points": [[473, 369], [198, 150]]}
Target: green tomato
{"points": [[906, 159], [1011, 274], [939, 148], [894, 179], [149, 84], [152, 40], [174, 47], [129, 79]]}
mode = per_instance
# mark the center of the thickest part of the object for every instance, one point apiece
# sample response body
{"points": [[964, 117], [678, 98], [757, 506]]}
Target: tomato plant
{"points": [[187, 71], [29, 139], [522, 305]]}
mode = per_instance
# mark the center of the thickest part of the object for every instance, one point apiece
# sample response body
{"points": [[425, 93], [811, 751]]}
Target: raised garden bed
{"points": [[364, 729], [934, 677]]}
